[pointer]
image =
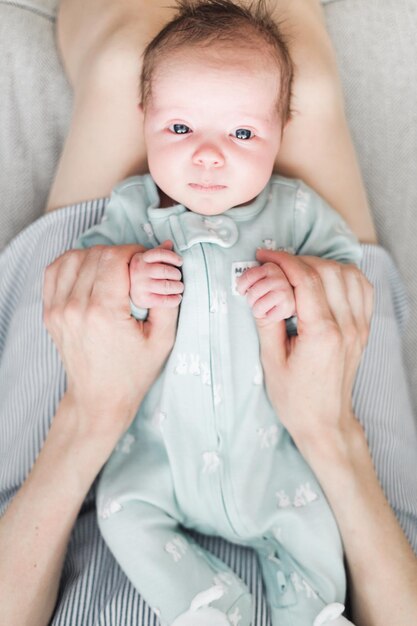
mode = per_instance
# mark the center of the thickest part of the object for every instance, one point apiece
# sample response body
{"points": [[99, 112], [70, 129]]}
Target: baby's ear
{"points": [[140, 107]]}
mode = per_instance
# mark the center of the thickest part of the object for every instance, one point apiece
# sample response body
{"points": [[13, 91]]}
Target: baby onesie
{"points": [[206, 450]]}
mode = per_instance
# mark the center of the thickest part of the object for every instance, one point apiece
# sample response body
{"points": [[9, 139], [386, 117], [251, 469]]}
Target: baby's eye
{"points": [[243, 133], [179, 129]]}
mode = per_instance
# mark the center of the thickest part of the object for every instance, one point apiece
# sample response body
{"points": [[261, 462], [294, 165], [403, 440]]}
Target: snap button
{"points": [[190, 228], [282, 581]]}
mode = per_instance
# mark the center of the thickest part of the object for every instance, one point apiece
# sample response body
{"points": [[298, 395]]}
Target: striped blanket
{"points": [[94, 591]]}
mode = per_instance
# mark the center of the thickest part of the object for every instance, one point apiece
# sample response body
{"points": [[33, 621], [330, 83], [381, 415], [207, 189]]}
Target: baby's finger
{"points": [[311, 303], [162, 255], [269, 283], [165, 287], [273, 315], [166, 301], [283, 303], [163, 271], [249, 278], [255, 274]]}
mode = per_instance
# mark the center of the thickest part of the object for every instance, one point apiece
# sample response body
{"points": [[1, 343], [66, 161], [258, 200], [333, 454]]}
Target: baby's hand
{"points": [[155, 280], [268, 292]]}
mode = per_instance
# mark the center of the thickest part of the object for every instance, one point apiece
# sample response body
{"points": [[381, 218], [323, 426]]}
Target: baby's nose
{"points": [[209, 156]]}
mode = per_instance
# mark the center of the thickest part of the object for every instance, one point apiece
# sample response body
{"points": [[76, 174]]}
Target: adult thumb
{"points": [[162, 323], [273, 340]]}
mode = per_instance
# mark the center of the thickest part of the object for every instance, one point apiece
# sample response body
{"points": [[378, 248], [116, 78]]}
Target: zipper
{"points": [[219, 439]]}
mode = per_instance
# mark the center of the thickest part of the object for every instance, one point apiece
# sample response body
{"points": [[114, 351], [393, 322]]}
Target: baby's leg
{"points": [[101, 42], [183, 583], [138, 516], [294, 594]]}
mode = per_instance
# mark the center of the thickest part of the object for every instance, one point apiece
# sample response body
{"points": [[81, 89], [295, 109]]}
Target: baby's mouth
{"points": [[206, 187]]}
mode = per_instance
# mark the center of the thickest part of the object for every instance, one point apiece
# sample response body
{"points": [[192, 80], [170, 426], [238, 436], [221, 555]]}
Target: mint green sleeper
{"points": [[206, 450]]}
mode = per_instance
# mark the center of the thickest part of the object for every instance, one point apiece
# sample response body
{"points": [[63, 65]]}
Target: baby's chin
{"points": [[206, 208], [203, 208], [212, 203], [204, 202]]}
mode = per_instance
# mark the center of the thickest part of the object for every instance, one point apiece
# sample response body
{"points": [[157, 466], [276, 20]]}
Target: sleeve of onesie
{"points": [[320, 231], [124, 222], [124, 219]]}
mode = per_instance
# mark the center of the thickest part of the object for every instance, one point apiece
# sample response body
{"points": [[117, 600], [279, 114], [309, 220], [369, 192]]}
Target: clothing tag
{"points": [[237, 270]]}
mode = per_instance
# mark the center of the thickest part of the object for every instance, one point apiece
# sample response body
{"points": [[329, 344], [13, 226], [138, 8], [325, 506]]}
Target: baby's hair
{"points": [[201, 23]]}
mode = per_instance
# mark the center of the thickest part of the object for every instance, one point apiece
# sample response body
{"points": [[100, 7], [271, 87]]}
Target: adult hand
{"points": [[110, 359], [309, 377]]}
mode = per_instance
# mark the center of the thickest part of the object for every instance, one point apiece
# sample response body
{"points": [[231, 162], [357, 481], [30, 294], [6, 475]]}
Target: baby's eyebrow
{"points": [[170, 114]]}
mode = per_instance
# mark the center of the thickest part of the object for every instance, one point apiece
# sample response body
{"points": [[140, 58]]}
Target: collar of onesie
{"points": [[186, 228]]}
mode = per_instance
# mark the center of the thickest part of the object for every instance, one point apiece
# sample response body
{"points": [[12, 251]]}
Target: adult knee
{"points": [[103, 40], [318, 94], [99, 41]]}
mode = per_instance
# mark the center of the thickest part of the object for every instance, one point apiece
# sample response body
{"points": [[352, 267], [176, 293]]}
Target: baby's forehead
{"points": [[217, 57], [223, 78]]}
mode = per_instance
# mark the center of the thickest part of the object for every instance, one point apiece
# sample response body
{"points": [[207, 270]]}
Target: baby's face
{"points": [[212, 129]]}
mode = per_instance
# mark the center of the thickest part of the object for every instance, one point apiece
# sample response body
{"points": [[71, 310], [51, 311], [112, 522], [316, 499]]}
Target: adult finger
{"points": [[369, 298], [360, 288], [49, 284], [112, 282], [161, 325], [352, 304], [356, 296], [310, 297], [87, 272], [273, 340], [60, 277], [332, 277]]}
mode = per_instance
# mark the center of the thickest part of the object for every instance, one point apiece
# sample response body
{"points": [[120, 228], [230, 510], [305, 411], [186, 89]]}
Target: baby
{"points": [[206, 450]]}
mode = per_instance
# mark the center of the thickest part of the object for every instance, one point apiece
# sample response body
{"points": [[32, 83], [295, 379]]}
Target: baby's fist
{"points": [[155, 280], [268, 292]]}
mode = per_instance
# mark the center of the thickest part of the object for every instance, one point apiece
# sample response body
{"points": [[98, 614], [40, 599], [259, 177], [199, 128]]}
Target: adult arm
{"points": [[316, 371], [110, 360]]}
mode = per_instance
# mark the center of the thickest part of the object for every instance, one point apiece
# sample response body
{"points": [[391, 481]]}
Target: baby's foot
{"points": [[332, 615]]}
